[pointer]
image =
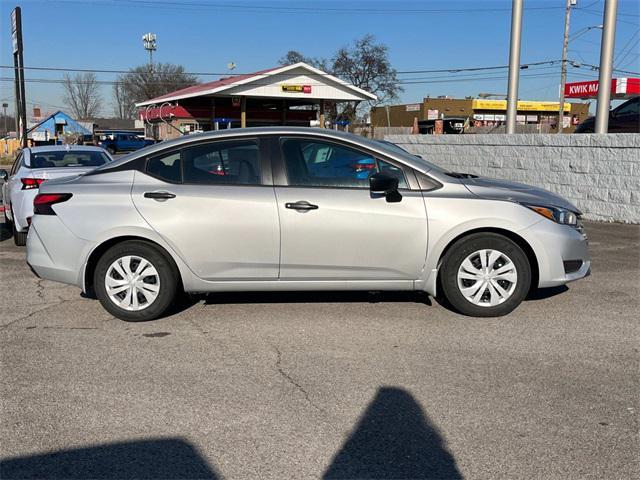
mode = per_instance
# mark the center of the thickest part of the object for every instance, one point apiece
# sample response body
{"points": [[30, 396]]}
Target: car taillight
{"points": [[31, 183], [44, 201]]}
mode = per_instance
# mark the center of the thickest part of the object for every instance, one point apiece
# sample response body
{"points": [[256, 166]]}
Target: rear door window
{"points": [[166, 167], [229, 162]]}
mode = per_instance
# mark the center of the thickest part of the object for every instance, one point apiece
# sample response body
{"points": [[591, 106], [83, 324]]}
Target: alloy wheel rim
{"points": [[132, 283], [487, 278]]}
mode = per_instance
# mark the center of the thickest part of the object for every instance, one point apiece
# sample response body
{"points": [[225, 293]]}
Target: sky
{"points": [[206, 35]]}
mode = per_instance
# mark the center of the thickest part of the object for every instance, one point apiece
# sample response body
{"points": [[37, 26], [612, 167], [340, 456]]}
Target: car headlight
{"points": [[556, 214]]}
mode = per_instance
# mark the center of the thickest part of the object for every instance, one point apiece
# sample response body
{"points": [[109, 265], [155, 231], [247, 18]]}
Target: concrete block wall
{"points": [[598, 173]]}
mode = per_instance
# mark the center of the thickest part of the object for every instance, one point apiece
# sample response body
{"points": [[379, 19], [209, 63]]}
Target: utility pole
{"points": [[150, 45], [606, 65], [514, 65], [18, 66], [4, 114], [563, 71]]}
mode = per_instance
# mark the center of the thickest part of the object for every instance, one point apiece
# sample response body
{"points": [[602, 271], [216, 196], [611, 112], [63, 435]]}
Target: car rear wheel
{"points": [[485, 275], [135, 281], [111, 150], [19, 238]]}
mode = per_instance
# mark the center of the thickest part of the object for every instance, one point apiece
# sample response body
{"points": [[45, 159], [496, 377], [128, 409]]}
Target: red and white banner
{"points": [[620, 88]]}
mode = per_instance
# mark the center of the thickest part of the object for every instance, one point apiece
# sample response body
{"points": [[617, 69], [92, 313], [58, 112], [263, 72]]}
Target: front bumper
{"points": [[553, 245]]}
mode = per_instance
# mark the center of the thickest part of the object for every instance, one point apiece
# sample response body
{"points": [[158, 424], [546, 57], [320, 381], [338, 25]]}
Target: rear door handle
{"points": [[159, 195], [301, 206]]}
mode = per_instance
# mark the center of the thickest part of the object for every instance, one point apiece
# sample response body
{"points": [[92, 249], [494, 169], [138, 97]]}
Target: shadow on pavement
{"points": [[394, 439], [316, 297], [544, 293], [5, 231], [147, 459]]}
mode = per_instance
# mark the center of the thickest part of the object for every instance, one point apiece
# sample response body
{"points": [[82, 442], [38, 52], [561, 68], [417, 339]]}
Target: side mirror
{"points": [[385, 185], [4, 176]]}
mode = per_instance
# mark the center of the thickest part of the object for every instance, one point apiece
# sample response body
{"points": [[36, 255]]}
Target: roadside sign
{"points": [[296, 88]]}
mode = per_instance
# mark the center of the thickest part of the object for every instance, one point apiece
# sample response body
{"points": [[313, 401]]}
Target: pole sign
{"points": [[18, 66], [14, 32], [620, 88]]}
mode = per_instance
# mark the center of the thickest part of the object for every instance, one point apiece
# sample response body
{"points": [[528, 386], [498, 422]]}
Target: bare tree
{"points": [[123, 104], [146, 82], [366, 65], [82, 94], [293, 56]]}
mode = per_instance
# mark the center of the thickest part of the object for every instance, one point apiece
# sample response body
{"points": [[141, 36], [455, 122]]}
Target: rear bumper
{"points": [[23, 209], [53, 252]]}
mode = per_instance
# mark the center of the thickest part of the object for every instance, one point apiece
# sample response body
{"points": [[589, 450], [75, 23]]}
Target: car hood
{"points": [[495, 189]]}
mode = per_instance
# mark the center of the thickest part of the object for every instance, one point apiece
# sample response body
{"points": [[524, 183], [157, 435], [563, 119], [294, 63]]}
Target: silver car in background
{"points": [[31, 168], [284, 208]]}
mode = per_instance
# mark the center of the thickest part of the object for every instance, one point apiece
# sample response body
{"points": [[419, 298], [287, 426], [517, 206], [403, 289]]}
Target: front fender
{"points": [[450, 219]]}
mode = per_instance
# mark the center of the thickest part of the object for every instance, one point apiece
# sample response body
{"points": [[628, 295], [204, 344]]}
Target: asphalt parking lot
{"points": [[330, 385]]}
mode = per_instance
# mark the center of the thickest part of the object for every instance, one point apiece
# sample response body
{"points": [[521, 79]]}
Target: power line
{"points": [[229, 75], [277, 9], [622, 54], [427, 80]]}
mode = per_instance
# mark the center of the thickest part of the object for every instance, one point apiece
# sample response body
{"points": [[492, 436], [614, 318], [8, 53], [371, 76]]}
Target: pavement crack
{"points": [[40, 289], [292, 381], [31, 314]]}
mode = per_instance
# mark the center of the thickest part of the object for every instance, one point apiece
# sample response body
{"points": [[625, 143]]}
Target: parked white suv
{"points": [[31, 168]]}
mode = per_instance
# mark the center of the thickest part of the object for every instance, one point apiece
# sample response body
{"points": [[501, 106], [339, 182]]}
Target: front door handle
{"points": [[159, 195], [302, 206]]}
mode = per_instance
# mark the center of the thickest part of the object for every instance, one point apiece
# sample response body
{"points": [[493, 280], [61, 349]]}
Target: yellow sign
{"points": [[523, 105], [296, 88]]}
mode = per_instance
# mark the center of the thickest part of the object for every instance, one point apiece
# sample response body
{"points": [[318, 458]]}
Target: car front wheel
{"points": [[485, 275], [135, 281]]}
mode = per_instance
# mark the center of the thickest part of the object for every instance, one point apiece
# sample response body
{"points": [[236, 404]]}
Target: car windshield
{"points": [[68, 158], [399, 151]]}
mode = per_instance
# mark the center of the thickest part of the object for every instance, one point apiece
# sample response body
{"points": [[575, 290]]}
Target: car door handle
{"points": [[301, 206], [159, 195]]}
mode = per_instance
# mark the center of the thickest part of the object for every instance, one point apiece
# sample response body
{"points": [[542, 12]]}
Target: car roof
{"points": [[58, 148], [357, 140]]}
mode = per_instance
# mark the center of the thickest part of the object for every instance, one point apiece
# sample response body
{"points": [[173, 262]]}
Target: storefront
{"points": [[494, 113], [296, 94], [480, 113]]}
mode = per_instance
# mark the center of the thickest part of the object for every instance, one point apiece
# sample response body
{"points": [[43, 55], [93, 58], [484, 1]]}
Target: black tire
{"points": [[465, 247], [111, 150], [164, 265], [19, 238]]}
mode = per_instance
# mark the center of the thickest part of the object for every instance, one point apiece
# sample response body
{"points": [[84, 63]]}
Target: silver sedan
{"points": [[283, 208]]}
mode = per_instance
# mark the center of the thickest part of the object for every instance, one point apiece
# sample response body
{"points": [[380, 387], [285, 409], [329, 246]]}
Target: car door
{"points": [[11, 184], [333, 227], [626, 118], [214, 203]]}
